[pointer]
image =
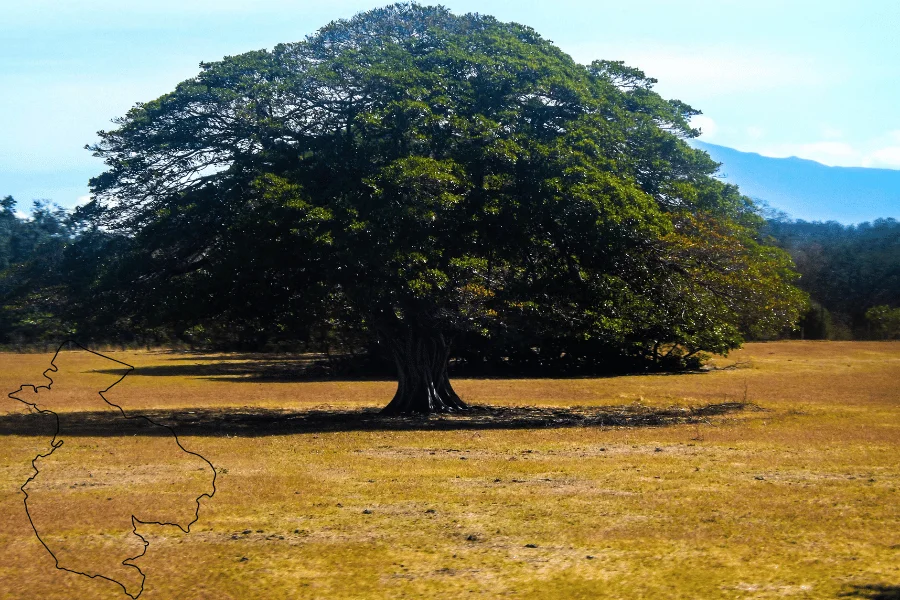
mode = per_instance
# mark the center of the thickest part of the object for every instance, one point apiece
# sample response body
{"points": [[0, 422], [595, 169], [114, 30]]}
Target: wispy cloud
{"points": [[876, 153], [755, 133], [712, 70], [706, 125], [832, 133], [884, 157]]}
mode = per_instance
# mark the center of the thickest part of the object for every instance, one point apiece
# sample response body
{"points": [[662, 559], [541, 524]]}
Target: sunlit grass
{"points": [[799, 500]]}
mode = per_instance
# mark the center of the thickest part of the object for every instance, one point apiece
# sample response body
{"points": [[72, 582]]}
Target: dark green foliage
{"points": [[846, 269], [31, 284], [816, 324], [885, 321], [23, 239]]}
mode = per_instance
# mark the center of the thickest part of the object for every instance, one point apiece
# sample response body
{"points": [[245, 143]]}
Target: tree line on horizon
{"points": [[851, 273]]}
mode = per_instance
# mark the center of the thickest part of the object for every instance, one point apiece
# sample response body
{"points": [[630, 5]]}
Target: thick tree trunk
{"points": [[423, 383]]}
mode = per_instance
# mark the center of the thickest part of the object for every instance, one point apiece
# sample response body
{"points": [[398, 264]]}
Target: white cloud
{"points": [[706, 125], [872, 153], [711, 70], [82, 200], [832, 133], [836, 150], [835, 154], [755, 133], [888, 157]]}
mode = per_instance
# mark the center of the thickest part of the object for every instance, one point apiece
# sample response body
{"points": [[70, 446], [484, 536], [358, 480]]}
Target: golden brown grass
{"points": [[800, 500]]}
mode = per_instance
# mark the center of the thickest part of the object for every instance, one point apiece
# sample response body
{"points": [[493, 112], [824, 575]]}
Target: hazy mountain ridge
{"points": [[808, 190]]}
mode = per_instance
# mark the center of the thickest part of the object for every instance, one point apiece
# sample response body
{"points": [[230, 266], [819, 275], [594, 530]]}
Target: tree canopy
{"points": [[425, 177]]}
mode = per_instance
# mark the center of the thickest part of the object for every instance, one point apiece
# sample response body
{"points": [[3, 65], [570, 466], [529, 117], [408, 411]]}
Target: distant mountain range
{"points": [[805, 189]]}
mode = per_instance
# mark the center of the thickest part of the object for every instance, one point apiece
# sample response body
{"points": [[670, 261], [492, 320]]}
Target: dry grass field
{"points": [[798, 499]]}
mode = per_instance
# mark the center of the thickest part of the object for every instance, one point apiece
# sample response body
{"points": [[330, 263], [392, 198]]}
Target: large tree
{"points": [[425, 176]]}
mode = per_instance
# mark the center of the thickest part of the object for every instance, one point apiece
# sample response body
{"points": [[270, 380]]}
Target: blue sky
{"points": [[815, 79]]}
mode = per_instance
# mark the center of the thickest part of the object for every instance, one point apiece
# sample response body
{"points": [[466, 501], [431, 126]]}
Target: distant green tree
{"points": [[426, 177], [847, 269], [8, 226], [885, 321], [20, 238], [32, 288]]}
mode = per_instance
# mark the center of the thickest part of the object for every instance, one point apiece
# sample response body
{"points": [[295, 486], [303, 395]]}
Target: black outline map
{"points": [[57, 443]]}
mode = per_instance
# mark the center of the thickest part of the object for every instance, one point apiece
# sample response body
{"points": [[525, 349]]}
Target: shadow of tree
{"points": [[251, 368], [256, 422], [305, 368], [874, 591]]}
